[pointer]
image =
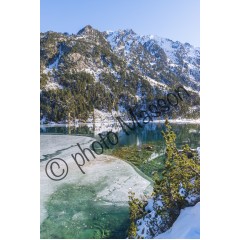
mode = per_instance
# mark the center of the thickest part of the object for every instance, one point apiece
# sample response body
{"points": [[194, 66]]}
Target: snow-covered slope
{"points": [[187, 225], [151, 54]]}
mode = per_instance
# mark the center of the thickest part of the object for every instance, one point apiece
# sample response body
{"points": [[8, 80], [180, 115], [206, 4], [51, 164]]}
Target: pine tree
{"points": [[180, 177], [132, 232], [136, 211]]}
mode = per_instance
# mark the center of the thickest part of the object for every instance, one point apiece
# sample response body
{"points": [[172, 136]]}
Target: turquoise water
{"points": [[74, 211], [186, 133]]}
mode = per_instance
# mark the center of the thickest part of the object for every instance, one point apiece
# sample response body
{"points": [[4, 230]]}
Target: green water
{"points": [[75, 212]]}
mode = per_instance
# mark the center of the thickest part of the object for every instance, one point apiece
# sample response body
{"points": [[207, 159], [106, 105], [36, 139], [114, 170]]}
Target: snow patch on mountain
{"points": [[55, 64], [155, 83], [150, 49], [51, 85]]}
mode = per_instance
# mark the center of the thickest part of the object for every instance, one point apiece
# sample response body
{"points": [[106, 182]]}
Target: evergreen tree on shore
{"points": [[180, 178], [136, 211]]}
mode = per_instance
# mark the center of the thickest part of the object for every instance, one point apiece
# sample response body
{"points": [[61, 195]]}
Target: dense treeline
{"points": [[80, 94], [76, 100]]}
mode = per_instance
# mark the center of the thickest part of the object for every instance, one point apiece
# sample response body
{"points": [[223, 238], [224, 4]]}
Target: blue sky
{"points": [[174, 19]]}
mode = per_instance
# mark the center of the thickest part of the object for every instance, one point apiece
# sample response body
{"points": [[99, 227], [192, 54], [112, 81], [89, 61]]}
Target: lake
{"points": [[186, 133], [74, 211]]}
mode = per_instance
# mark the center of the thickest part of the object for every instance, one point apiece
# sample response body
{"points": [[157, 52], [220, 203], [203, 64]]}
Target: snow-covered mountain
{"points": [[111, 70], [150, 55]]}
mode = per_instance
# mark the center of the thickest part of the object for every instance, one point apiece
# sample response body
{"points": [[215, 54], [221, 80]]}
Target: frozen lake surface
{"points": [[81, 200]]}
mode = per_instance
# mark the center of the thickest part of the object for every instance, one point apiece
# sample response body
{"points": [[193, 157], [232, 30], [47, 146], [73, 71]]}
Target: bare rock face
{"points": [[74, 57]]}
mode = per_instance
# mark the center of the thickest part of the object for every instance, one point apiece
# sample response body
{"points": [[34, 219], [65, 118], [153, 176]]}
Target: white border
{"points": [[20, 27]]}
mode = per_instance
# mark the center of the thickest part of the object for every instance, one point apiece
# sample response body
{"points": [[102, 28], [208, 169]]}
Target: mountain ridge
{"points": [[120, 66]]}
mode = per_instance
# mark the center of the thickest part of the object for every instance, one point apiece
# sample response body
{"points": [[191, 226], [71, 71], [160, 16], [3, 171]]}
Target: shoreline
{"points": [[176, 121]]}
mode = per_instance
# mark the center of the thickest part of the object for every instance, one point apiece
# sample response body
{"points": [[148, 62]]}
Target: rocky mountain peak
{"points": [[91, 34], [86, 30]]}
